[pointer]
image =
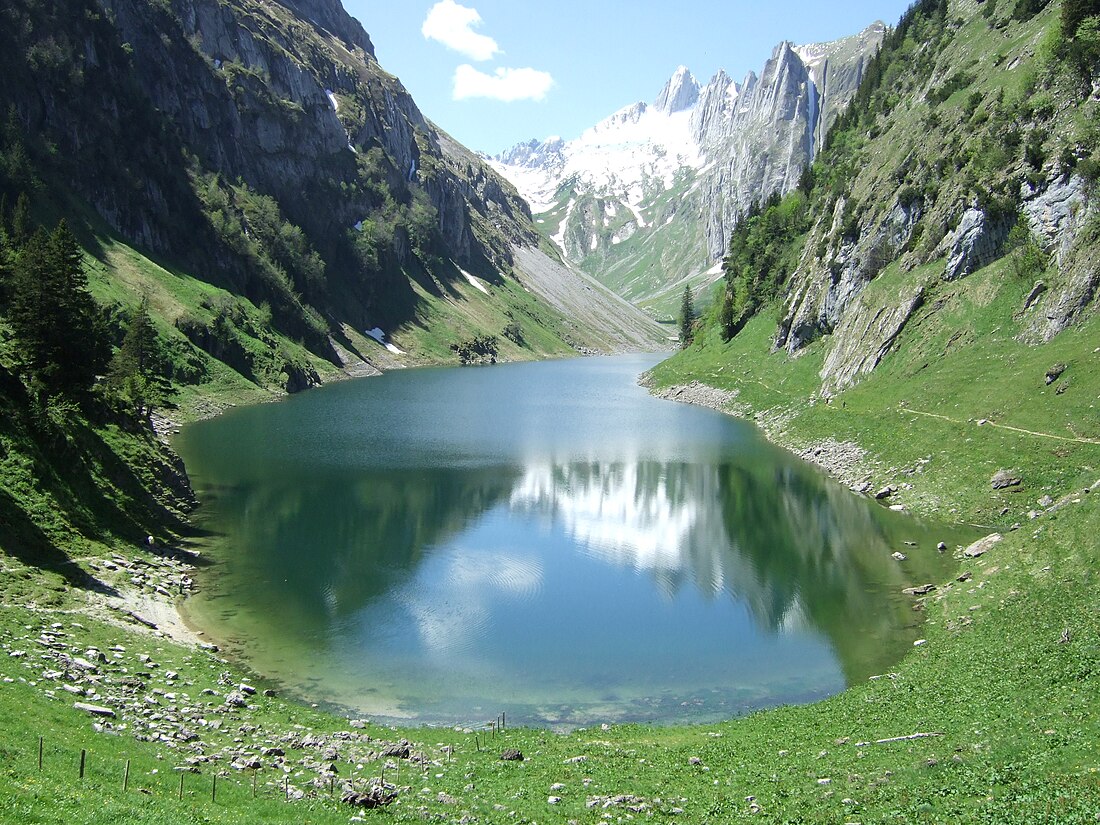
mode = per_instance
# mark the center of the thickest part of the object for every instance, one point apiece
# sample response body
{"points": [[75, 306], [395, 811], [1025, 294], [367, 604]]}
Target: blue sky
{"points": [[497, 72]]}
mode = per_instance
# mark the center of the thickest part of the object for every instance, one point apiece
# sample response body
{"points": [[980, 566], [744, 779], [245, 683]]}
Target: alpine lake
{"points": [[438, 546]]}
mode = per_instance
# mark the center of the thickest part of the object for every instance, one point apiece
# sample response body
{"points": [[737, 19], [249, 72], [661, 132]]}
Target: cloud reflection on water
{"points": [[453, 610]]}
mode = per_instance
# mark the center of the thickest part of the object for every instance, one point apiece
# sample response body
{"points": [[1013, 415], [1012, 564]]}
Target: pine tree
{"points": [[54, 317], [687, 317], [1073, 12], [5, 227], [81, 338], [21, 220], [727, 317], [29, 308], [132, 370], [5, 272]]}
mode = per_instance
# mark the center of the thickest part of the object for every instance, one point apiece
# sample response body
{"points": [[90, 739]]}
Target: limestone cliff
{"points": [[935, 173]]}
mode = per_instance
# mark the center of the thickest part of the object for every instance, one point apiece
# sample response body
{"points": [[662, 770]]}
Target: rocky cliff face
{"points": [[762, 137], [676, 175], [151, 106]]}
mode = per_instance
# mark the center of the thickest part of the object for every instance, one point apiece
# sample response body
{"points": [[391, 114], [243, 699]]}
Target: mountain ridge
{"points": [[694, 160]]}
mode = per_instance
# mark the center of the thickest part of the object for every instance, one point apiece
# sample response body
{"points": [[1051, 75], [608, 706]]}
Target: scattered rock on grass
{"points": [[1054, 373], [94, 710], [982, 546], [1005, 480], [376, 797], [922, 590]]}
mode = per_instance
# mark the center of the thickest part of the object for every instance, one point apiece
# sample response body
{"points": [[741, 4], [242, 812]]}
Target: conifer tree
{"points": [[54, 317], [132, 369], [21, 220], [687, 317]]}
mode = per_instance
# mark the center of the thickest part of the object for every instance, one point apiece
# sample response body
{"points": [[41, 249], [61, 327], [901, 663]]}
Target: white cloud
{"points": [[504, 84], [453, 26]]}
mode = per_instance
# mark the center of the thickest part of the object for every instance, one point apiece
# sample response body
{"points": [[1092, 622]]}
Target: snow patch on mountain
{"points": [[474, 281], [559, 236], [620, 157]]}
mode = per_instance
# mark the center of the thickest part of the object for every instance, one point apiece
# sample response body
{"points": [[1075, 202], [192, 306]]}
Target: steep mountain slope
{"points": [[942, 251], [646, 199], [259, 147], [975, 141]]}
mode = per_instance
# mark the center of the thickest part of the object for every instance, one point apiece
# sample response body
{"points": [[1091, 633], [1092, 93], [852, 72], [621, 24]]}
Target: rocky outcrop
{"points": [[864, 338], [977, 241], [824, 288], [1056, 212], [1058, 215], [1071, 299], [679, 94]]}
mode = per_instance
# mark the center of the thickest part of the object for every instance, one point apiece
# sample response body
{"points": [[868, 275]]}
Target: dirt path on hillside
{"points": [[985, 422]]}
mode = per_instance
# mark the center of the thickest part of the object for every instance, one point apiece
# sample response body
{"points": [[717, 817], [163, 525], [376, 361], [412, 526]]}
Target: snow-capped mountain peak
{"points": [[639, 144]]}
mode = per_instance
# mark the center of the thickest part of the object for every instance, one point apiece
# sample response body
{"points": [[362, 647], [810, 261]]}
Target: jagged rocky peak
{"points": [[715, 105], [533, 153], [625, 116], [679, 94]]}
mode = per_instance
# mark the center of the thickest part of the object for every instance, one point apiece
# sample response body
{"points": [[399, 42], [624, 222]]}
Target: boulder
{"points": [[236, 699], [95, 710], [375, 797], [398, 750], [1054, 373], [982, 546], [1004, 480]]}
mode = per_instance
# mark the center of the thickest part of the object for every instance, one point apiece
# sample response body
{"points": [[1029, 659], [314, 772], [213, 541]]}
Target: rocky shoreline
{"points": [[845, 461], [143, 591], [128, 688]]}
